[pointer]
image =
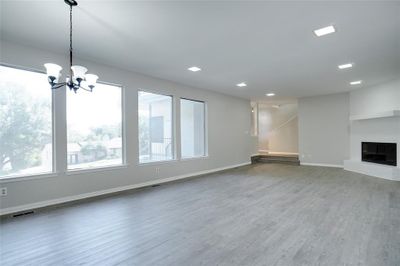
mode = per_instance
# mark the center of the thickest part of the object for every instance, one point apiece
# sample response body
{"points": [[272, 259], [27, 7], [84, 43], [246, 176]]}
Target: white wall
{"points": [[278, 128], [324, 129], [375, 99], [369, 101], [229, 141], [326, 136]]}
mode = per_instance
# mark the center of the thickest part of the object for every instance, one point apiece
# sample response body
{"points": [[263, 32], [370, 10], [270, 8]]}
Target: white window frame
{"points": [[123, 164], [173, 130], [53, 172]]}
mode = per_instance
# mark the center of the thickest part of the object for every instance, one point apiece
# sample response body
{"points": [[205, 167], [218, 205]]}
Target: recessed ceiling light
{"points": [[242, 84], [357, 82], [270, 94], [194, 68], [324, 31], [344, 66]]}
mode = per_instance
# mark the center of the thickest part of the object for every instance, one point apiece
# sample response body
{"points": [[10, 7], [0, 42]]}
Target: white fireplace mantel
{"points": [[389, 113]]}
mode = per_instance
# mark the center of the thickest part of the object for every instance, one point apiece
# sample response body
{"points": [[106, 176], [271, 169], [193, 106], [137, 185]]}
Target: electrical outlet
{"points": [[3, 191]]}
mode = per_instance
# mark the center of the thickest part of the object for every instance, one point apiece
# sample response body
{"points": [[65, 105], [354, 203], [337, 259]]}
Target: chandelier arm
{"points": [[83, 88], [58, 85]]}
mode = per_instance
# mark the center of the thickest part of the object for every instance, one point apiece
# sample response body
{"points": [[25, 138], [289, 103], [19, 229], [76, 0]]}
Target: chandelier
{"points": [[79, 80]]}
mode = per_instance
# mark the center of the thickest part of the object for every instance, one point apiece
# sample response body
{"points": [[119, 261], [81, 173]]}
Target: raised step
{"points": [[284, 159]]}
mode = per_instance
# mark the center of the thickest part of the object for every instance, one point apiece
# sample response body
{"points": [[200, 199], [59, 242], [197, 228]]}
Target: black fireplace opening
{"points": [[378, 152]]}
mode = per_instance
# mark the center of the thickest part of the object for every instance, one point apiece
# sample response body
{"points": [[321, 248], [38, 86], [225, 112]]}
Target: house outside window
{"points": [[94, 127], [155, 127]]}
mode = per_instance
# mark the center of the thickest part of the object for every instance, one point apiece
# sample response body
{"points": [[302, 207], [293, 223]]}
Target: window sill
{"points": [[157, 162], [194, 158], [26, 177], [78, 171]]}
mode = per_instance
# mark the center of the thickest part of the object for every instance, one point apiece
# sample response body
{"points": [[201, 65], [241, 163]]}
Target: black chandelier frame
{"points": [[70, 82]]}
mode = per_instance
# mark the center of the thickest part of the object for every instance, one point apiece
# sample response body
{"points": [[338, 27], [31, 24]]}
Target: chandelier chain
{"points": [[70, 40], [78, 79]]}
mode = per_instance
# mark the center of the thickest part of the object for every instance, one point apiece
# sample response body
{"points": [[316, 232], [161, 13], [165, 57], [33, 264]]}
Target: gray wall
{"points": [[324, 129], [278, 128], [375, 99], [229, 140]]}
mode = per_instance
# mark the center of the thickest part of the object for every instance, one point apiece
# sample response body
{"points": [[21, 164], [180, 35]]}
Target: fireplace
{"points": [[378, 152]]}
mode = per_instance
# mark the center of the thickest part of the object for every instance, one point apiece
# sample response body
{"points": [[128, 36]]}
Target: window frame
{"points": [[59, 149], [54, 171], [123, 164], [205, 128], [173, 129]]}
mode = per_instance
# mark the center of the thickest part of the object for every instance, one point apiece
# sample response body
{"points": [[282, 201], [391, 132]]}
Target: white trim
{"points": [[157, 162], [46, 203], [53, 132], [283, 153], [18, 178], [279, 152], [200, 157], [389, 113], [78, 171], [123, 125], [36, 70], [322, 164]]}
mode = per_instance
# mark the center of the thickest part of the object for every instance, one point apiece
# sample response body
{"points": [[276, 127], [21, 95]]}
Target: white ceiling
{"points": [[269, 45]]}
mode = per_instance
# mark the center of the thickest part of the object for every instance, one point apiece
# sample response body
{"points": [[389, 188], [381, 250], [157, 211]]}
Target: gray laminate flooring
{"points": [[265, 214]]}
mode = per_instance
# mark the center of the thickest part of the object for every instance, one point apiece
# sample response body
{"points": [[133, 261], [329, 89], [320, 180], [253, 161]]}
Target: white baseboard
{"points": [[322, 164], [47, 203]]}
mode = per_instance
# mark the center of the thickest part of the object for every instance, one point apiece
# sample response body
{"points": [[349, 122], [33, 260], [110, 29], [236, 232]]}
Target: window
{"points": [[25, 123], [192, 128], [155, 127], [94, 127]]}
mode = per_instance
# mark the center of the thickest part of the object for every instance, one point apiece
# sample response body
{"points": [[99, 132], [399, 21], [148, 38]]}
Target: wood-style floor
{"points": [[267, 214]]}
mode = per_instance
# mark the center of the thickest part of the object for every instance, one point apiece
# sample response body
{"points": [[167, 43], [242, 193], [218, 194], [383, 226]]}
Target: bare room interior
{"points": [[199, 132]]}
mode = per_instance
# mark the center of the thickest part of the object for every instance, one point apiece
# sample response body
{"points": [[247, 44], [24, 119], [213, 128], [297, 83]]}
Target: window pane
{"points": [[192, 128], [94, 127], [155, 127], [25, 123]]}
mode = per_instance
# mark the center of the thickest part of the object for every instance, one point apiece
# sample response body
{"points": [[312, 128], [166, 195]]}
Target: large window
{"points": [[94, 121], [25, 123], [155, 127], [192, 128]]}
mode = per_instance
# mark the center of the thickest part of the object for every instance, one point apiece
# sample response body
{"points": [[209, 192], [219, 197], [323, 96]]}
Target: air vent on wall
{"points": [[23, 214]]}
